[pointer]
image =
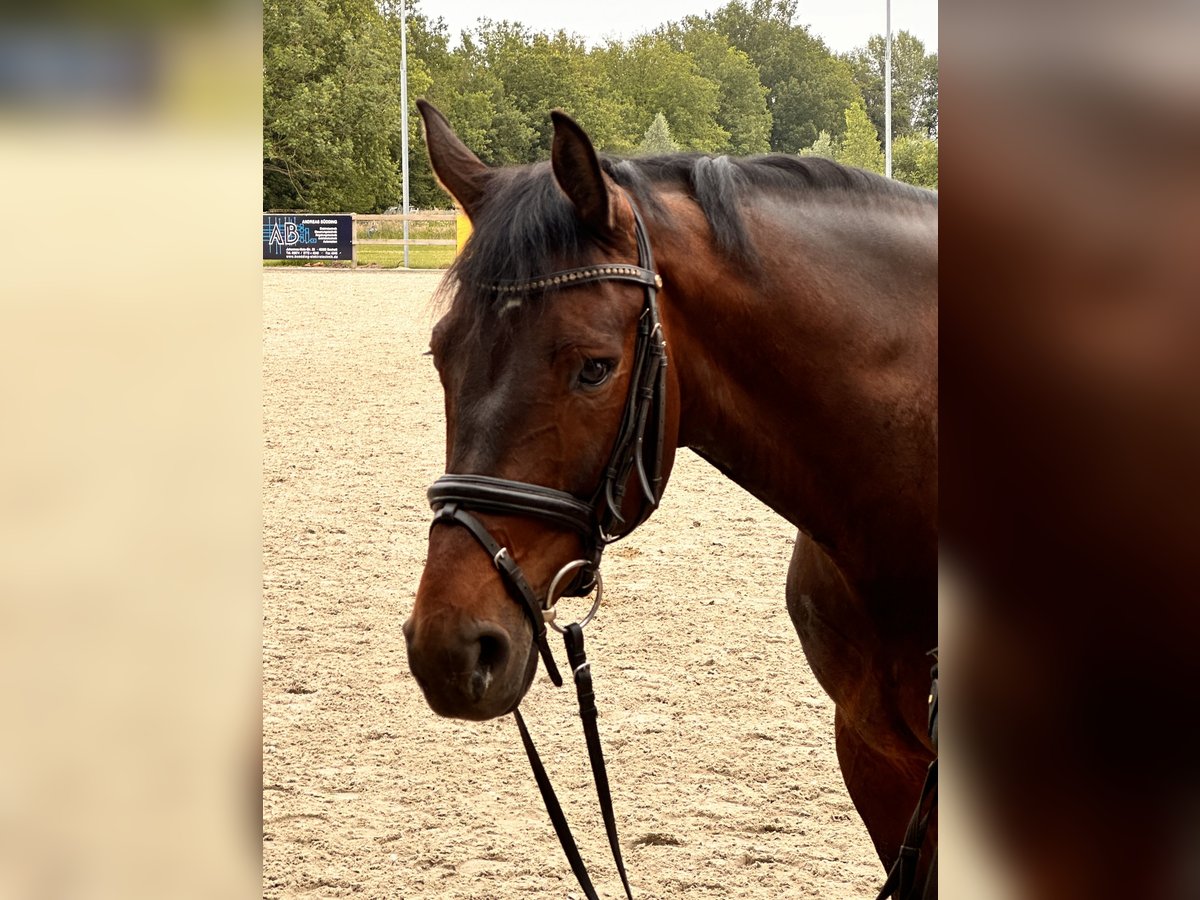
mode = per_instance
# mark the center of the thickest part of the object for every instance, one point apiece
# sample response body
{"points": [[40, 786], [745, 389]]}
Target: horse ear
{"points": [[459, 170], [578, 173]]}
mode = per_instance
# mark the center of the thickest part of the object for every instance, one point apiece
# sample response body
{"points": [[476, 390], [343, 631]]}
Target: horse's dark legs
{"points": [[883, 760], [884, 791]]}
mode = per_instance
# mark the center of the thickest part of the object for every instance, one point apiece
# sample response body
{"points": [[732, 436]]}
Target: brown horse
{"points": [[799, 308]]}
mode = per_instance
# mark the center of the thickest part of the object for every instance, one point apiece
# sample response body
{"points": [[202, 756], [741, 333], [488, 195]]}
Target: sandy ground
{"points": [[719, 741]]}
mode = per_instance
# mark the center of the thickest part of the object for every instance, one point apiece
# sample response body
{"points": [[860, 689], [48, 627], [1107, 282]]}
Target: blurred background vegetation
{"points": [[742, 80]]}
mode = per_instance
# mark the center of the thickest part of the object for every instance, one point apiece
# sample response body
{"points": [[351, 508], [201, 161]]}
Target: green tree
{"points": [[649, 75], [533, 73], [914, 84], [658, 138], [860, 146], [915, 160], [331, 106], [741, 99], [824, 146], [807, 86], [471, 94]]}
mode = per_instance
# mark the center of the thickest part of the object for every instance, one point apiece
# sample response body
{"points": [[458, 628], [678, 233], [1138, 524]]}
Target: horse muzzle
{"points": [[472, 669]]}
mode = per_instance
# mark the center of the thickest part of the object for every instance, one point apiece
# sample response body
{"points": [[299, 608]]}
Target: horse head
{"points": [[542, 379]]}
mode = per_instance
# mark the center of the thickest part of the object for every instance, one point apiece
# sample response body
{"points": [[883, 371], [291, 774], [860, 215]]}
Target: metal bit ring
{"points": [[548, 609]]}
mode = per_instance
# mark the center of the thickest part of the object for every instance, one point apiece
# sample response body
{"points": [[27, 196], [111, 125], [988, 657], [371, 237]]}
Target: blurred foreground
{"points": [[1070, 415], [130, 463]]}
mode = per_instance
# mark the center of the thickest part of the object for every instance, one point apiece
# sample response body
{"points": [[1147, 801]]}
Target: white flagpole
{"points": [[887, 96], [404, 120]]}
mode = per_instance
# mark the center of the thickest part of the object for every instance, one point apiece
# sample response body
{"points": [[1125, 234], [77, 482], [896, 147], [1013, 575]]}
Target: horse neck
{"points": [[811, 380]]}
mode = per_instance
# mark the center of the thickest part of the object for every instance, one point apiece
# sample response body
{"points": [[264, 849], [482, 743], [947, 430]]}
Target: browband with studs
{"points": [[571, 277]]}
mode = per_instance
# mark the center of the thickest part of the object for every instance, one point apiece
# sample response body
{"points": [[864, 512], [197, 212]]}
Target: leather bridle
{"points": [[637, 451], [598, 519]]}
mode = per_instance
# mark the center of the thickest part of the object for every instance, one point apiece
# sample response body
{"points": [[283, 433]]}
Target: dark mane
{"points": [[527, 227]]}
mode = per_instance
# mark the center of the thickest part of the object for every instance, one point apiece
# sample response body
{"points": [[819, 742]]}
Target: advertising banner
{"points": [[307, 237]]}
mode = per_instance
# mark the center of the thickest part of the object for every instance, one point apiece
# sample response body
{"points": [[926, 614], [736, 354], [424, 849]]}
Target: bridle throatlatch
{"points": [[637, 454]]}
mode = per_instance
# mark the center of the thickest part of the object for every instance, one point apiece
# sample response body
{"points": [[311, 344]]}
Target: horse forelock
{"points": [[525, 227]]}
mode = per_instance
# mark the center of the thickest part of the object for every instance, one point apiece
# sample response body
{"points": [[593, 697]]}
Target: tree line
{"points": [[743, 79]]}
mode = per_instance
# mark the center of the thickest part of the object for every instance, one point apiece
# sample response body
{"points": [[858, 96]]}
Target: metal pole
{"points": [[887, 96], [404, 120]]}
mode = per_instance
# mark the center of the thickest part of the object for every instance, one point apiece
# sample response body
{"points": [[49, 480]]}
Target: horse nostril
{"points": [[493, 649], [492, 653]]}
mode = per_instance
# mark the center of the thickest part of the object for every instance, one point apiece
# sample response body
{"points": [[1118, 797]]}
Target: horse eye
{"points": [[595, 372]]}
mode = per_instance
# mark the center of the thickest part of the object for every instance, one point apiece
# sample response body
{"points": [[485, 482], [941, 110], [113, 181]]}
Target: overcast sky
{"points": [[844, 24]]}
